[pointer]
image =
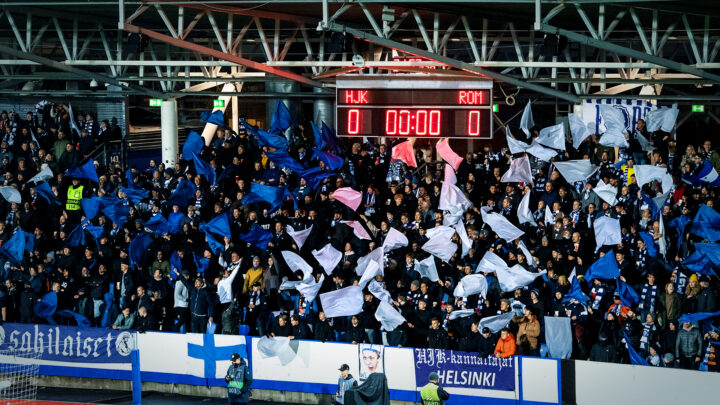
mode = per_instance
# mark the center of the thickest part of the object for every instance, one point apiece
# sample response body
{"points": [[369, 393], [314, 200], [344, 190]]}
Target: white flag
{"points": [[613, 138], [388, 316], [490, 263], [427, 268], [515, 145], [310, 288], [496, 323], [646, 173], [299, 236], [346, 301], [379, 291], [549, 217], [553, 136], [440, 246], [663, 118], [370, 272], [578, 129], [273, 347], [394, 239], [470, 285], [501, 226], [667, 182], [512, 278], [461, 313], [295, 263], [11, 194], [328, 257], [462, 233], [453, 215], [519, 171], [606, 192], [526, 252], [523, 212], [607, 231], [526, 121], [576, 170], [358, 229], [374, 256], [44, 175], [451, 195], [615, 123], [645, 144], [442, 230], [541, 152], [73, 123]]}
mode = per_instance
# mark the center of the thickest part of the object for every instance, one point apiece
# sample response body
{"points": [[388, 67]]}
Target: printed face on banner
{"points": [[371, 359]]}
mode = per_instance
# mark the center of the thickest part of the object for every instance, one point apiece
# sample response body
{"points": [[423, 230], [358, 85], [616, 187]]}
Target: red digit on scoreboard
{"points": [[434, 122], [404, 125], [473, 127], [354, 121], [391, 122]]}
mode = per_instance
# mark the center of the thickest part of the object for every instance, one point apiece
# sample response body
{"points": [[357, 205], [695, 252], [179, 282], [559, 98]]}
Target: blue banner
{"points": [[69, 343], [464, 370]]}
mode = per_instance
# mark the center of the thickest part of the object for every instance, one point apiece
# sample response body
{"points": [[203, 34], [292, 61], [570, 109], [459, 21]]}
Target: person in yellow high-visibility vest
{"points": [[74, 195], [432, 393]]}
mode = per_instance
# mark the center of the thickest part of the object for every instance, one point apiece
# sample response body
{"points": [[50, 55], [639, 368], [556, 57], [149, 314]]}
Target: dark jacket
{"points": [[201, 302], [689, 343], [437, 338], [323, 331], [239, 380], [604, 351], [706, 300]]}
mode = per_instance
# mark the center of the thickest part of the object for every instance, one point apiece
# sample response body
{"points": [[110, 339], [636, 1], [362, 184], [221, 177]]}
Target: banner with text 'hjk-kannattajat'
{"points": [[464, 370]]}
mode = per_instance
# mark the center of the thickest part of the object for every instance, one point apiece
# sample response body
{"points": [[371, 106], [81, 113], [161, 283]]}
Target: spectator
{"points": [[688, 346], [505, 345], [125, 320]]}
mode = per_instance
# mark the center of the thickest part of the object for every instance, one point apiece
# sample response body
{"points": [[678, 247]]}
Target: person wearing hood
{"points": [[506, 344], [688, 346], [201, 306], [603, 350], [239, 380], [345, 382]]}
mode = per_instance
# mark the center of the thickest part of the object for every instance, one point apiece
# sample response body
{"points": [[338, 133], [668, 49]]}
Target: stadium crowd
{"points": [[139, 249]]}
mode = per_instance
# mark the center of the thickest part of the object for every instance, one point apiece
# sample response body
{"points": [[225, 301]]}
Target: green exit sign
{"points": [[496, 108], [218, 103], [698, 108], [155, 102]]}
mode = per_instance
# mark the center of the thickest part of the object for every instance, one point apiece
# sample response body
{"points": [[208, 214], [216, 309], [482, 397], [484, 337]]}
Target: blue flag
{"points": [[319, 141], [202, 263], [604, 268], [76, 237], [706, 174], [697, 317], [679, 224], [29, 241], [79, 319], [215, 246], [333, 162], [137, 249], [576, 293], [266, 138], [281, 119], [158, 225], [90, 207], [46, 307], [706, 224], [635, 358], [86, 171], [650, 243], [176, 220], [699, 263], [330, 138], [215, 117], [229, 171], [129, 178], [269, 194], [219, 225], [257, 236], [711, 250], [116, 212], [184, 191], [136, 194], [283, 160], [192, 146], [175, 263], [45, 191], [314, 176], [14, 248], [628, 296], [203, 168], [109, 299], [96, 232]]}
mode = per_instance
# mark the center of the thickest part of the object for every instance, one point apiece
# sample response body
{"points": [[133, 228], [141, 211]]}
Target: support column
{"points": [[169, 132]]}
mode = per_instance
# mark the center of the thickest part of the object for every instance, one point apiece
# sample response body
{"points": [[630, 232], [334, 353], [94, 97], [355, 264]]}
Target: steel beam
{"points": [[221, 55], [621, 50], [388, 43], [79, 72]]}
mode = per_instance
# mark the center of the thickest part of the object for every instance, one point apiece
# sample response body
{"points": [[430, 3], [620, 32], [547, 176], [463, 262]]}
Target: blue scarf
{"points": [[644, 295], [645, 339], [598, 293]]}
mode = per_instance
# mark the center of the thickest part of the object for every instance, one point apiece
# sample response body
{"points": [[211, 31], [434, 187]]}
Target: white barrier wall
{"points": [[620, 384]]}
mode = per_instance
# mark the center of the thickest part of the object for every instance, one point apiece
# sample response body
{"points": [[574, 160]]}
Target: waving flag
{"points": [[451, 196], [662, 118], [257, 236], [379, 292], [496, 323], [348, 196], [464, 239], [541, 152], [699, 263], [679, 224], [282, 159], [11, 194], [299, 236], [216, 118], [650, 243], [405, 153], [281, 119], [388, 316], [309, 289], [358, 229], [333, 162], [607, 231], [576, 293], [184, 191], [628, 296], [706, 224], [192, 146], [553, 136], [266, 138], [319, 141], [427, 268], [711, 250], [46, 306], [14, 248], [519, 171], [137, 249], [705, 174], [605, 268], [86, 171], [260, 192], [515, 145], [578, 129], [646, 173], [136, 195], [575, 170], [445, 152], [441, 247], [330, 138], [512, 278], [526, 121], [203, 168], [697, 316], [606, 192], [523, 211], [43, 189], [116, 212], [558, 336], [470, 285], [44, 175], [501, 226], [328, 257], [635, 358], [346, 301], [394, 239], [219, 225]]}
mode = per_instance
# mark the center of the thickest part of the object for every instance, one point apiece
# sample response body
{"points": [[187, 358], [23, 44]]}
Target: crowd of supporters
{"points": [[184, 282]]}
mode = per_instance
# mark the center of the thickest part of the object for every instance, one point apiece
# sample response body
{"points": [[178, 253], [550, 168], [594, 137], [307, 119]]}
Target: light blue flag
{"points": [[604, 268], [578, 129], [663, 118], [558, 337], [526, 121], [575, 170], [346, 301], [496, 323], [553, 136]]}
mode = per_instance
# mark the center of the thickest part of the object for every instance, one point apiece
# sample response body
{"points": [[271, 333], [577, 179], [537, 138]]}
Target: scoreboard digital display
{"points": [[404, 108]]}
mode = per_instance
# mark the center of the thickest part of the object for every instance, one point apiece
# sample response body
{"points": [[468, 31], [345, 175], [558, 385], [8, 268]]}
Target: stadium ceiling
{"points": [[562, 50]]}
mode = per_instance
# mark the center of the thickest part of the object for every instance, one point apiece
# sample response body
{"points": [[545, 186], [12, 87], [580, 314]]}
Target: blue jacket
{"points": [[239, 381], [344, 384]]}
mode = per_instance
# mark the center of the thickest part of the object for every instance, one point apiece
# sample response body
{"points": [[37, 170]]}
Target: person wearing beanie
{"points": [[603, 350]]}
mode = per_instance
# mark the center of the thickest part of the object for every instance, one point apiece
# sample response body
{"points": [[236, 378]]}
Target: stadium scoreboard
{"points": [[379, 105]]}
